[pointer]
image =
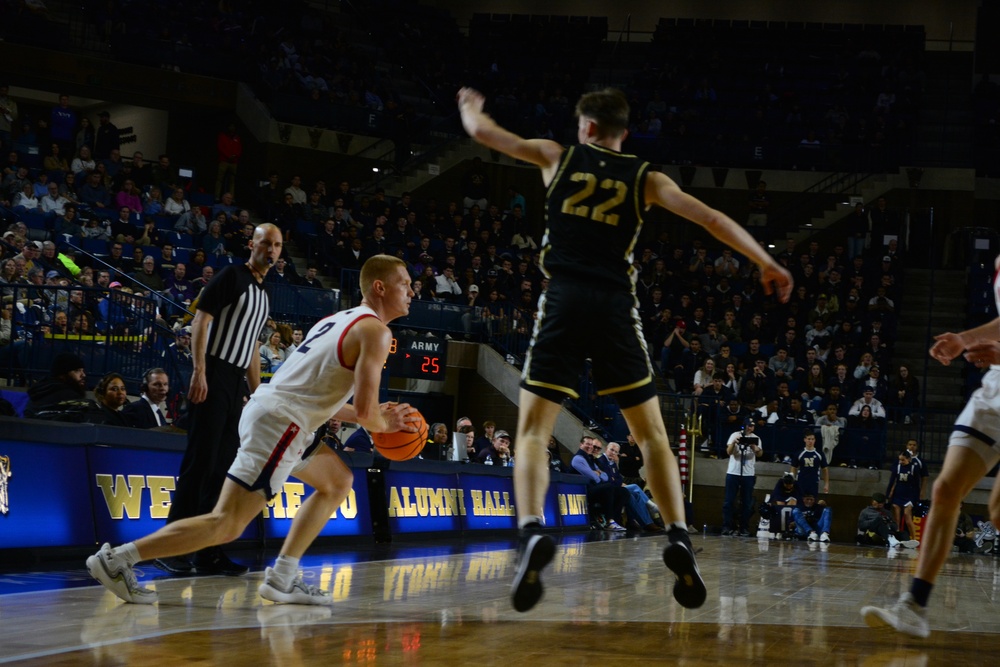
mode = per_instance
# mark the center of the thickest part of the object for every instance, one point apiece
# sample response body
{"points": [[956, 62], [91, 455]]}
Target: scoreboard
{"points": [[417, 357]]}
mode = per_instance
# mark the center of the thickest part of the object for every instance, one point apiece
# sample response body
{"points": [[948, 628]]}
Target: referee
{"points": [[229, 317]]}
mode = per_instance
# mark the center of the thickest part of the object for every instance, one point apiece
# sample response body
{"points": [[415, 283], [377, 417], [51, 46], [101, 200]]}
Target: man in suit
{"points": [[145, 413]]}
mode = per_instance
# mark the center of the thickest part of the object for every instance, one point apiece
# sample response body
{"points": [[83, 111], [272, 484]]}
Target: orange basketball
{"points": [[401, 445]]}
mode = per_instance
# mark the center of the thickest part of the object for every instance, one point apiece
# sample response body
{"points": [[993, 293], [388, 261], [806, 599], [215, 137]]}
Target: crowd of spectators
{"points": [[823, 359]]}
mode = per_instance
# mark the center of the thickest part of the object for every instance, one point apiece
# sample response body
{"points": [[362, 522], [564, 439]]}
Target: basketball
{"points": [[402, 446]]}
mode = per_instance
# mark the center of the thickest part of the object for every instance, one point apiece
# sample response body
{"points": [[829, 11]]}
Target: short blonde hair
{"points": [[378, 267]]}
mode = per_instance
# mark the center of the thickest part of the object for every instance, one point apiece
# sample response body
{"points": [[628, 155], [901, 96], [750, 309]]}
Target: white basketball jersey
{"points": [[313, 383]]}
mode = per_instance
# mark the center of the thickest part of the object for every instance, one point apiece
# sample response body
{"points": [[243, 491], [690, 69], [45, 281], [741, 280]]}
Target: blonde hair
{"points": [[378, 267]]}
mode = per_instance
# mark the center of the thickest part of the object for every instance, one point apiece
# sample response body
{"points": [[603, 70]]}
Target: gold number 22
{"points": [[599, 213]]}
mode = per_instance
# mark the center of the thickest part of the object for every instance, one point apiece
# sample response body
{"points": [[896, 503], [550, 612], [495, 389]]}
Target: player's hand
{"points": [[775, 279], [983, 354], [947, 347], [198, 391], [470, 99], [399, 417]]}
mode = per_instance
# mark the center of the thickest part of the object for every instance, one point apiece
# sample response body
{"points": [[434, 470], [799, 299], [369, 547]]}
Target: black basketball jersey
{"points": [[593, 216]]}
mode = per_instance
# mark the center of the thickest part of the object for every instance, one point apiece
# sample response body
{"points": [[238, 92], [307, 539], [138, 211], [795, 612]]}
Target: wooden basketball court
{"points": [[607, 602]]}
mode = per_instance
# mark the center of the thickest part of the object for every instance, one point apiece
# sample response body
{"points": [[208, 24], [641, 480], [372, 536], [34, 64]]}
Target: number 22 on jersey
{"points": [[616, 191]]}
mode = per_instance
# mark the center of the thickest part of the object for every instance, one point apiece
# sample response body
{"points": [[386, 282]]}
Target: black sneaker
{"points": [[176, 565], [534, 553], [214, 561], [689, 590]]}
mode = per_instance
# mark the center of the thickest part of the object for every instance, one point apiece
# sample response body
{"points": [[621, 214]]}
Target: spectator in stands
{"points": [[53, 202], [188, 221], [148, 275], [903, 395], [107, 138], [129, 196], [111, 396], [214, 243], [62, 396], [294, 189], [272, 353], [710, 406], [781, 364], [704, 376], [484, 441], [604, 499], [743, 449], [55, 161], [812, 386], [95, 196], [498, 453], [229, 147], [145, 412], [865, 363], [123, 265], [447, 287], [26, 199], [83, 164], [178, 287], [475, 185], [869, 401]]}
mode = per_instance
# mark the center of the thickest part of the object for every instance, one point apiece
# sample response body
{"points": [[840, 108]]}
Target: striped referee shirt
{"points": [[239, 308]]}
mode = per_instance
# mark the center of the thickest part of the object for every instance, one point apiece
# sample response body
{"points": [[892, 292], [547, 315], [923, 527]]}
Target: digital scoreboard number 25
{"points": [[418, 358]]}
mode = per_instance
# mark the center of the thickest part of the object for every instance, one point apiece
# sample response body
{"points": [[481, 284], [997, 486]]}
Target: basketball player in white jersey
{"points": [[973, 449], [342, 356]]}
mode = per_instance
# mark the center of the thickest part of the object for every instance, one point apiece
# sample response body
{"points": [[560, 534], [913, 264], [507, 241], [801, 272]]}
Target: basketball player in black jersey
{"points": [[593, 210]]}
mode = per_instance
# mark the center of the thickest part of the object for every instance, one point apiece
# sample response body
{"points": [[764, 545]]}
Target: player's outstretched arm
{"points": [[484, 130], [949, 345], [662, 190]]}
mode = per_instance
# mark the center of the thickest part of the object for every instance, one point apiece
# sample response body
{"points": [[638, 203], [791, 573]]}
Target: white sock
{"points": [[286, 568], [128, 553], [651, 505], [525, 520]]}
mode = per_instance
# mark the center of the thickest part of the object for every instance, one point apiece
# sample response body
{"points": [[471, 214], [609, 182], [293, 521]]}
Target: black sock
{"points": [[921, 590], [532, 527], [676, 534]]}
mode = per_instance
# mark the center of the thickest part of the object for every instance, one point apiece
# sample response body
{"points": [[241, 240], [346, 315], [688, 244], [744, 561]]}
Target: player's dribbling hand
{"points": [[983, 354], [399, 417], [947, 346]]}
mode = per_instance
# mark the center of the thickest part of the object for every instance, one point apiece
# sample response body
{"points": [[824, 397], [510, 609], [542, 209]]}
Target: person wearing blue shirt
{"points": [[809, 465]]}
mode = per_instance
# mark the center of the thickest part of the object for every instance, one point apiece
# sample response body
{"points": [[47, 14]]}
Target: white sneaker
{"points": [[118, 577], [825, 537], [298, 593], [906, 616], [812, 536], [614, 527], [909, 544], [894, 543]]}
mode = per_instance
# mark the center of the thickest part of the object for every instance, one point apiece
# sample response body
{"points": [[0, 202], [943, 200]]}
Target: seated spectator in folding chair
{"points": [[785, 496], [638, 507], [603, 497]]}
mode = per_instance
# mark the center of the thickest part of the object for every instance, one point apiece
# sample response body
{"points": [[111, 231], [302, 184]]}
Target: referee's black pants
{"points": [[213, 439]]}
